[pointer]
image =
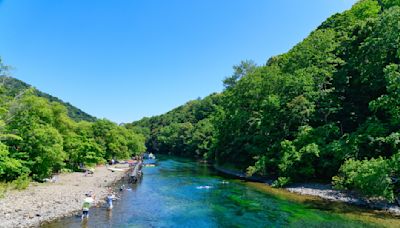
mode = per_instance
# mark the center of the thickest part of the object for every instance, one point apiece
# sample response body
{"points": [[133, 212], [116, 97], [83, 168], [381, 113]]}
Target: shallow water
{"points": [[183, 193]]}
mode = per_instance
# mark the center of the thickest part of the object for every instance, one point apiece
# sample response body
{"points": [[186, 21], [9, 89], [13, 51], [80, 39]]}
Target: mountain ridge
{"points": [[15, 86]]}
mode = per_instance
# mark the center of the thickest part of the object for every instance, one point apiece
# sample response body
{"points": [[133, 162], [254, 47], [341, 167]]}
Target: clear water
{"points": [[171, 195]]}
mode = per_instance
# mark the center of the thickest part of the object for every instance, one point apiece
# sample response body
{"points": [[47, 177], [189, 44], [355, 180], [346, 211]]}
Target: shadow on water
{"points": [[183, 193]]}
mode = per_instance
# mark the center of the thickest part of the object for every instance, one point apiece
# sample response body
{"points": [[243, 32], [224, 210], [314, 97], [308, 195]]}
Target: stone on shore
{"points": [[48, 201]]}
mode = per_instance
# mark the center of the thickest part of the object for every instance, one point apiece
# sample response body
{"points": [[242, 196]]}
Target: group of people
{"points": [[111, 196], [90, 199]]}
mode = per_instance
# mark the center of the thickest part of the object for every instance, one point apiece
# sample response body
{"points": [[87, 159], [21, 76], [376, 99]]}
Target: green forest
{"points": [[41, 135], [328, 110]]}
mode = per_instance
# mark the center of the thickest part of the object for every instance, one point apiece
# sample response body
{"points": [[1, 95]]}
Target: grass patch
{"points": [[19, 184], [3, 189]]}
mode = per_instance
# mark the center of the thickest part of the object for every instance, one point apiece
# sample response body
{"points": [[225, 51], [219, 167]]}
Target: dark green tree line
{"points": [[38, 137], [328, 108]]}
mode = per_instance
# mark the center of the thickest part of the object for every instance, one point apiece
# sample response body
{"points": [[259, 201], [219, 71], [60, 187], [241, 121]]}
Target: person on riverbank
{"points": [[87, 203]]}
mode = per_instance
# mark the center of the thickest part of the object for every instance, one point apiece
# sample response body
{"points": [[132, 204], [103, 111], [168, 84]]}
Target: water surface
{"points": [[183, 193]]}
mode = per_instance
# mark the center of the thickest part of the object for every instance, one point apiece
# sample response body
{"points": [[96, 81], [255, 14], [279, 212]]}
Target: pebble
{"points": [[45, 202]]}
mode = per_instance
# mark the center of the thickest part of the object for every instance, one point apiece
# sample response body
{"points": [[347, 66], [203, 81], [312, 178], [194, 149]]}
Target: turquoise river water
{"points": [[184, 193]]}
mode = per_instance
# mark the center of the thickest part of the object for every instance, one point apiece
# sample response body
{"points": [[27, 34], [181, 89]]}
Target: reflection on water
{"points": [[182, 193]]}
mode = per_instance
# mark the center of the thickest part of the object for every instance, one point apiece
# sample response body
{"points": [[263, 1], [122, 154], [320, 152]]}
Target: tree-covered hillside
{"points": [[186, 130], [327, 110], [14, 87], [38, 136]]}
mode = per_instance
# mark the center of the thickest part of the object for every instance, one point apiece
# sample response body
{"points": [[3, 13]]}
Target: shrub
{"points": [[3, 189], [281, 182], [21, 182], [10, 168], [369, 177]]}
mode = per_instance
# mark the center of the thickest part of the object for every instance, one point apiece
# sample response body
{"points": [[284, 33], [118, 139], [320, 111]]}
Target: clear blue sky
{"points": [[126, 59]]}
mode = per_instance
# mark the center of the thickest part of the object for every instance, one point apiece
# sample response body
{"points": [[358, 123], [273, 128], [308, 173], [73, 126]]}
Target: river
{"points": [[183, 193]]}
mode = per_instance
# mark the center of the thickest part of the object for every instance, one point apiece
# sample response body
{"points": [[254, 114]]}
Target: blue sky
{"points": [[126, 59]]}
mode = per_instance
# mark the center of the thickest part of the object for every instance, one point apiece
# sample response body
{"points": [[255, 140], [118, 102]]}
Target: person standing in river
{"points": [[110, 197], [87, 203]]}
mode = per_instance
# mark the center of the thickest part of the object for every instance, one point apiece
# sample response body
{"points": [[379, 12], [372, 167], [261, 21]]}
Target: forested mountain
{"points": [[186, 130], [39, 137], [14, 87], [327, 110]]}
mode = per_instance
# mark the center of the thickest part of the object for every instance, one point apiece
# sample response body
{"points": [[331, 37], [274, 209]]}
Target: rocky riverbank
{"points": [[48, 201], [323, 191]]}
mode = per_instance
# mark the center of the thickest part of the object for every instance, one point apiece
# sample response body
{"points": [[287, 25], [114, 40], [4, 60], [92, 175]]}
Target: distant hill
{"points": [[14, 87]]}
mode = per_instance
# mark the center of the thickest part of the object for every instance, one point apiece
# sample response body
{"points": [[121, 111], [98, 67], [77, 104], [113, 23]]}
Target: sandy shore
{"points": [[48, 201]]}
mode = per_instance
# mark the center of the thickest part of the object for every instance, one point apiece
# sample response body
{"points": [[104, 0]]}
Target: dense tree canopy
{"points": [[38, 136], [328, 108]]}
